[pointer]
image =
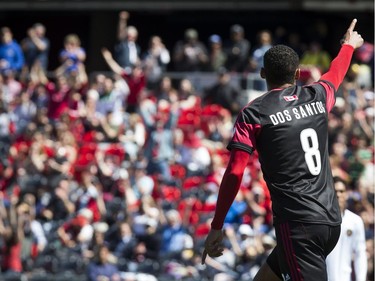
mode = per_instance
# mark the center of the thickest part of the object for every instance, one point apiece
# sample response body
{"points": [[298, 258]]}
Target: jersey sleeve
{"points": [[336, 73], [246, 128]]}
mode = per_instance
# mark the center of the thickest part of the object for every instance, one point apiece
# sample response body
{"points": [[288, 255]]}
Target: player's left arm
{"points": [[230, 185]]}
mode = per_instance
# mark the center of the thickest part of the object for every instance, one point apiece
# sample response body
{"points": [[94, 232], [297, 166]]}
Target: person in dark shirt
{"points": [[288, 127], [224, 93], [237, 49]]}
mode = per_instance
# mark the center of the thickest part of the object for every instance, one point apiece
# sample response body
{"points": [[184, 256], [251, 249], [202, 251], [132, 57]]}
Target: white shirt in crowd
{"points": [[351, 247]]}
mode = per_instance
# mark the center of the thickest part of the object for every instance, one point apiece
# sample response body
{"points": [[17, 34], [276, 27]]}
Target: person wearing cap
{"points": [[217, 56], [237, 49], [190, 54]]}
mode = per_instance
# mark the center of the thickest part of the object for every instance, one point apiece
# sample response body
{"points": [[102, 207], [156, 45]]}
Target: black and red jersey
{"points": [[288, 128]]}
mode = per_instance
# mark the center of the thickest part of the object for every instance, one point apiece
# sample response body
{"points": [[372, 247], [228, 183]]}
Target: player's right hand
{"points": [[212, 245], [352, 37]]}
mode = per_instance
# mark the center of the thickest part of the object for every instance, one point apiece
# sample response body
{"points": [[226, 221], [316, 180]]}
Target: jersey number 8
{"points": [[310, 145]]}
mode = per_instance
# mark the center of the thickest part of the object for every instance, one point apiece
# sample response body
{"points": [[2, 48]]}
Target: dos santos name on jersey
{"points": [[298, 112]]}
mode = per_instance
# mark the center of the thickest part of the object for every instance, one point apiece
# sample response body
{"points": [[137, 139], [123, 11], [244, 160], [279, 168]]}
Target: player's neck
{"points": [[283, 86]]}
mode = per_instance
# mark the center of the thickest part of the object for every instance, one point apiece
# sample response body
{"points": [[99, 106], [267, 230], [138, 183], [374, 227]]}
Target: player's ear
{"points": [[297, 74], [262, 73]]}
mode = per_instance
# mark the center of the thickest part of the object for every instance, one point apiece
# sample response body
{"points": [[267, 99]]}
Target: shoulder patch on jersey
{"points": [[290, 98], [349, 232]]}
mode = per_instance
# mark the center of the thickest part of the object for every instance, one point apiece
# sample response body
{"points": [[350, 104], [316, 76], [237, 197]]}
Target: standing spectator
{"points": [[155, 61], [237, 49], [127, 52], [190, 54], [72, 55], [351, 247], [36, 47], [136, 80], [224, 93], [159, 144], [11, 55], [217, 56], [256, 60]]}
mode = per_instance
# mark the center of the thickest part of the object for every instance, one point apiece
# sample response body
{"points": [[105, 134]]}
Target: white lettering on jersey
{"points": [[299, 112]]}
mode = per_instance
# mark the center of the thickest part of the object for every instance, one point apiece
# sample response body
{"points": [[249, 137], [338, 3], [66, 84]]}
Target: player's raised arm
{"points": [[340, 65]]}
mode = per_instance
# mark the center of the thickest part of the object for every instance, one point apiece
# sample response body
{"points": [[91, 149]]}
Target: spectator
{"points": [[87, 195], [316, 56], [217, 56], [24, 112], [100, 268], [11, 234], [135, 79], [72, 56], [174, 236], [159, 143], [224, 93], [11, 55], [133, 136], [98, 240], [36, 47], [256, 60], [12, 88], [165, 90], [124, 248], [78, 231], [127, 52], [155, 60], [351, 246], [237, 49], [190, 54], [57, 207], [34, 240]]}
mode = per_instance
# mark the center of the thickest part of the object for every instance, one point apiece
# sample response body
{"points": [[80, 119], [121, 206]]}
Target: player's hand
{"points": [[212, 245], [352, 37]]}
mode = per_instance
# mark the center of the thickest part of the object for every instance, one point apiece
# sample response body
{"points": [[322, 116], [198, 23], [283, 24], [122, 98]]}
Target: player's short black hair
{"points": [[280, 64]]}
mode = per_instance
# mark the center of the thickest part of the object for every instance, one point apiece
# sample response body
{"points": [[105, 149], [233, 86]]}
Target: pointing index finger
{"points": [[352, 25]]}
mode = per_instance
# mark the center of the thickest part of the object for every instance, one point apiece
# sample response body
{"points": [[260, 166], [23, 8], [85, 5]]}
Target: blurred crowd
{"points": [[114, 175]]}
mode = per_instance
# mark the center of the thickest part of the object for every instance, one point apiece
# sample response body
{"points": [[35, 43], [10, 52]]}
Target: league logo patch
{"points": [[349, 232], [291, 98]]}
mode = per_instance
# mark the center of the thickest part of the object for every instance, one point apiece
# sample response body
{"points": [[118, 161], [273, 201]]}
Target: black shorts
{"points": [[301, 251]]}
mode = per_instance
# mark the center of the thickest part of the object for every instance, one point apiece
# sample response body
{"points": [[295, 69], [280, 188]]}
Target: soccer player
{"points": [[288, 127], [351, 247]]}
